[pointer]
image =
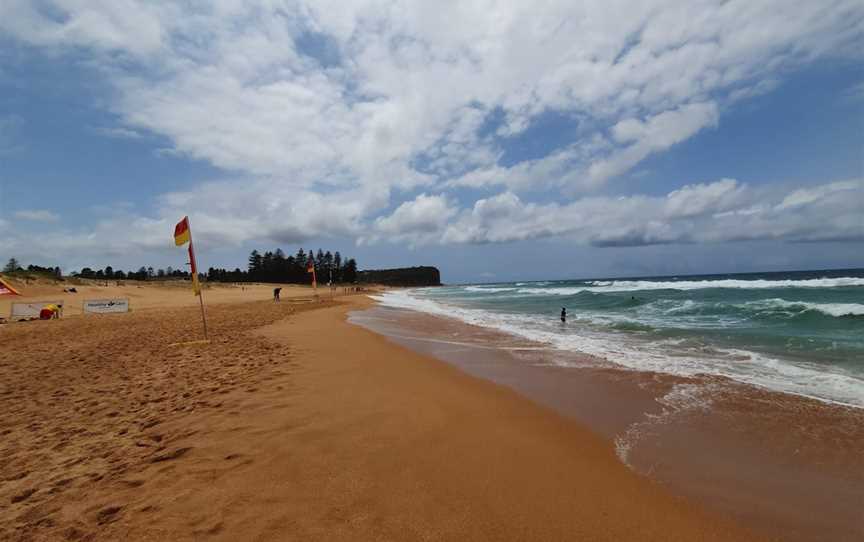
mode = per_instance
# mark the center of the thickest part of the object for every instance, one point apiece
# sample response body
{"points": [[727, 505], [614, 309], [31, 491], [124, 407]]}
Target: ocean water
{"points": [[793, 332]]}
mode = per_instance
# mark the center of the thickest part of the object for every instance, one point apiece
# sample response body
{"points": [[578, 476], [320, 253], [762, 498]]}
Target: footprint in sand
{"points": [[24, 495], [168, 456], [108, 514]]}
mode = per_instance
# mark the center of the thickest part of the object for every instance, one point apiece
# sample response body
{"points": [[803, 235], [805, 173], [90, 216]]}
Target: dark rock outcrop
{"points": [[406, 276]]}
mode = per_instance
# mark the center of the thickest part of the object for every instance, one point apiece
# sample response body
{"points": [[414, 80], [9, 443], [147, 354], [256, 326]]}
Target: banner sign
{"points": [[104, 306], [31, 310], [6, 288]]}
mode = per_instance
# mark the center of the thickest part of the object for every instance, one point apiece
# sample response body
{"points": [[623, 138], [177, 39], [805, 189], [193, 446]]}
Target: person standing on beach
{"points": [[563, 315], [276, 294]]}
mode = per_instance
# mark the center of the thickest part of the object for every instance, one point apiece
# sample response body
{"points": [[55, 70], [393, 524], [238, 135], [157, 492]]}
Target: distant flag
{"points": [[6, 288], [310, 268], [183, 235]]}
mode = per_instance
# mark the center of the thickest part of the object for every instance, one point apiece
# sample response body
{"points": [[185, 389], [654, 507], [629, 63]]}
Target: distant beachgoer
{"points": [[276, 294], [563, 314]]}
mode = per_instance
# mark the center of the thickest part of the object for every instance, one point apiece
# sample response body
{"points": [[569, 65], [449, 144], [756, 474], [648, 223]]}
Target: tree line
{"points": [[271, 266], [13, 266], [275, 266]]}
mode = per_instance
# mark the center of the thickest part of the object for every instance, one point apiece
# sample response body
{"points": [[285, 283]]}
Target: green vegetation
{"points": [[277, 267]]}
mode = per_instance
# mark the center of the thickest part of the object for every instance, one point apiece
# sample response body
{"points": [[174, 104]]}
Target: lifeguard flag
{"points": [[310, 268], [196, 286], [181, 232], [6, 288]]}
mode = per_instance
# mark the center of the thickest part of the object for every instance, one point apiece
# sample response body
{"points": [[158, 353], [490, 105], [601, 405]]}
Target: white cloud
{"points": [[231, 83], [652, 135], [114, 25], [117, 132], [37, 215], [710, 212], [699, 199], [721, 211], [402, 97], [805, 196], [417, 221]]}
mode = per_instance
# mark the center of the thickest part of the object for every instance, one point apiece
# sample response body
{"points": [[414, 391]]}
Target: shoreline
{"points": [[783, 464], [308, 427]]}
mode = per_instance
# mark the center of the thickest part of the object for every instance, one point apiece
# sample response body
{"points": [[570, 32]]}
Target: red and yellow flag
{"points": [[182, 235], [310, 268], [196, 286]]}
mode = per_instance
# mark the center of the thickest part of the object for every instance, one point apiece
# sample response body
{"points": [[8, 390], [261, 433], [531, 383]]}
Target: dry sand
{"points": [[144, 295], [294, 425]]}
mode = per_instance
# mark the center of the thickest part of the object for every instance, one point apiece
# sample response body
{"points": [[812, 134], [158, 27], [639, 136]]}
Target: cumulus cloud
{"points": [[699, 199], [418, 221], [719, 211], [401, 83], [323, 114], [724, 210]]}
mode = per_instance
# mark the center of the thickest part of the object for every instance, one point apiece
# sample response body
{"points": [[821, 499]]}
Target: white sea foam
{"points": [[637, 285], [831, 309], [682, 399], [488, 289], [628, 285], [818, 382]]}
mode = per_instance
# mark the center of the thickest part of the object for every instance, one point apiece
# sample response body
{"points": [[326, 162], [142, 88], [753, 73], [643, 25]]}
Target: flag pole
{"points": [[196, 286], [199, 290]]}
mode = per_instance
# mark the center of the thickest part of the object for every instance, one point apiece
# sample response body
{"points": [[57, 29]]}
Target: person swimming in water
{"points": [[563, 314]]}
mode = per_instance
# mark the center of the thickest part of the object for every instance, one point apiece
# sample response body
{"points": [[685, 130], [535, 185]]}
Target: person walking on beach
{"points": [[563, 315], [276, 294]]}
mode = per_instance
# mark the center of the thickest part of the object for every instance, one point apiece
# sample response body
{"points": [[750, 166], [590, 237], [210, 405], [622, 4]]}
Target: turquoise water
{"points": [[796, 332]]}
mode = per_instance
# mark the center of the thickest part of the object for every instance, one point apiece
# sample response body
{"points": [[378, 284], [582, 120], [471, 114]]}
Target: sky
{"points": [[495, 140]]}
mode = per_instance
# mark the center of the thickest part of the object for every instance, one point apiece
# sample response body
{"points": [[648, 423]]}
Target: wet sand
{"points": [[784, 465], [295, 425]]}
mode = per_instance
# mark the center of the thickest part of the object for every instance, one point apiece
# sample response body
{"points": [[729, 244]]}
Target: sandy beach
{"points": [[787, 466], [293, 424]]}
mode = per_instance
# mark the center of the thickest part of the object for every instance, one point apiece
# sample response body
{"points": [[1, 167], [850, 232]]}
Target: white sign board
{"points": [[104, 306], [31, 310]]}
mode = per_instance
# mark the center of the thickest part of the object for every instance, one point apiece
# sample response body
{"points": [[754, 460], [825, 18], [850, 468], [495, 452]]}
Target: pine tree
{"points": [[300, 260], [11, 266], [280, 271], [349, 273], [255, 265]]}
